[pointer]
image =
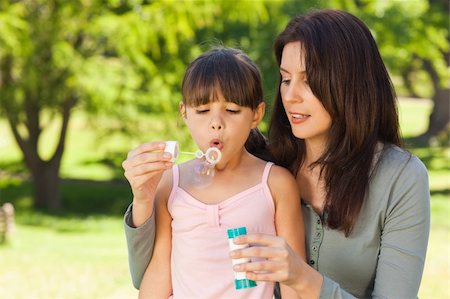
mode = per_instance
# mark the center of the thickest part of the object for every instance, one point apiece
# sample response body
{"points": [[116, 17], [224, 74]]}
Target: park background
{"points": [[83, 82]]}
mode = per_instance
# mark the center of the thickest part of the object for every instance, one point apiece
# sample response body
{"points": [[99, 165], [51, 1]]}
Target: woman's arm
{"points": [[140, 243], [157, 281], [405, 234]]}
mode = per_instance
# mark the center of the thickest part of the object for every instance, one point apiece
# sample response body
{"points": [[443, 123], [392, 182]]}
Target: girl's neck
{"points": [[234, 163]]}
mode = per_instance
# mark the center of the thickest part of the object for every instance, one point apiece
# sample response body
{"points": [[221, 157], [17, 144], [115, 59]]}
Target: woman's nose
{"points": [[293, 92]]}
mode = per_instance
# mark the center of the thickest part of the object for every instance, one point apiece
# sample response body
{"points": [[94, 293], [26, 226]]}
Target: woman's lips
{"points": [[298, 118]]}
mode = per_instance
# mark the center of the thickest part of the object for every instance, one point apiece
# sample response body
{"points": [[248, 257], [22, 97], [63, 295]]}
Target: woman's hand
{"points": [[280, 263], [144, 167]]}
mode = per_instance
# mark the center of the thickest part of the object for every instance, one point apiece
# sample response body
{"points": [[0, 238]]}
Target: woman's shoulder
{"points": [[399, 166], [396, 158]]}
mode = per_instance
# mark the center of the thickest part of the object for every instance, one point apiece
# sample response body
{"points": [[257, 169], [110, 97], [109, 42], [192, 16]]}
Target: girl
{"points": [[222, 104]]}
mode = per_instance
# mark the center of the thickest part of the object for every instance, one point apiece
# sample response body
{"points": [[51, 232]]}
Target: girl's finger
{"points": [[147, 170], [144, 158], [147, 147]]}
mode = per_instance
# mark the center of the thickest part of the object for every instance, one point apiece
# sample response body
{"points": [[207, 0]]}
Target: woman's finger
{"points": [[270, 276], [260, 252], [266, 266], [260, 239]]}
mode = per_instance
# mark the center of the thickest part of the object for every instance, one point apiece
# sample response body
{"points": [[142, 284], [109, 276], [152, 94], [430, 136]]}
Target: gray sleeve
{"points": [[405, 234], [140, 242], [404, 238], [331, 289]]}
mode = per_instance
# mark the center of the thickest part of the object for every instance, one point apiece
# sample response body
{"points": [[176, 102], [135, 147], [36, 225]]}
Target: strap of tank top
{"points": [[175, 176], [266, 171]]}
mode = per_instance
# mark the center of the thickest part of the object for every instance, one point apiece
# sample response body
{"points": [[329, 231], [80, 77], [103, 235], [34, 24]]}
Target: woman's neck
{"points": [[313, 151]]}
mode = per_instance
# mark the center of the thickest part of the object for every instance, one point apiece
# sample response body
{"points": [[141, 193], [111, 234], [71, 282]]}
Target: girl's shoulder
{"points": [[165, 185], [280, 180]]}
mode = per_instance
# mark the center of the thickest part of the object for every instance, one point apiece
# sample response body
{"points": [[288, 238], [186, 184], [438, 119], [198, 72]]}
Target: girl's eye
{"points": [[201, 111], [233, 111]]}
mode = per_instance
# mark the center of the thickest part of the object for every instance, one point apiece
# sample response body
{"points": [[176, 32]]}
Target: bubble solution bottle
{"points": [[240, 281]]}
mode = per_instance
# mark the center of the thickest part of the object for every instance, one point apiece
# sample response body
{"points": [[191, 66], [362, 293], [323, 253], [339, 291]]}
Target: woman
{"points": [[365, 200]]}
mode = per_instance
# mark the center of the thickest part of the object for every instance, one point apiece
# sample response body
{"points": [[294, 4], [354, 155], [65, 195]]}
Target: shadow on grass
{"points": [[80, 198]]}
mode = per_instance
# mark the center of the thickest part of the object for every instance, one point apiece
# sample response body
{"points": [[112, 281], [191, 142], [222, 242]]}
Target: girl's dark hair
{"points": [[233, 74], [346, 73]]}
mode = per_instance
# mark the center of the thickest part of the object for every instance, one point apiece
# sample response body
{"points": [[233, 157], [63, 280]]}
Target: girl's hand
{"points": [[280, 263], [144, 167]]}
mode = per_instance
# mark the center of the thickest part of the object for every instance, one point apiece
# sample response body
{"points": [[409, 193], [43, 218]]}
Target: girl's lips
{"points": [[216, 143]]}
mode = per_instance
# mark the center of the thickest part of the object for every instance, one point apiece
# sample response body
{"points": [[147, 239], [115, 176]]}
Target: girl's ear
{"points": [[258, 114], [182, 109]]}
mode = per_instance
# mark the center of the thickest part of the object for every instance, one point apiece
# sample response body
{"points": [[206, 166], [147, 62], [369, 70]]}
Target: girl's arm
{"points": [[143, 168], [157, 282], [288, 221]]}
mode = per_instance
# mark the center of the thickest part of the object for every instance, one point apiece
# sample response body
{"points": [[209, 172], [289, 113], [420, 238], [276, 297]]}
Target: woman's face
{"points": [[308, 118]]}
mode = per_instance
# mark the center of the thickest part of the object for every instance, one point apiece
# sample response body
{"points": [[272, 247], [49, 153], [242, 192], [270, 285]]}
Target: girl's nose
{"points": [[217, 123]]}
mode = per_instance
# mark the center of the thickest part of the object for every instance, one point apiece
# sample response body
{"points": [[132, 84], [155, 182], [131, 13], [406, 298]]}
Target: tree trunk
{"points": [[45, 173], [439, 117], [46, 183]]}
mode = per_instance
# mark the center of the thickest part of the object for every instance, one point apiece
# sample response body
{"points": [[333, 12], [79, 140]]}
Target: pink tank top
{"points": [[201, 266]]}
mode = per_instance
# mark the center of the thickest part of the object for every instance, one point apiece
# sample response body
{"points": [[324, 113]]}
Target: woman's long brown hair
{"points": [[346, 73]]}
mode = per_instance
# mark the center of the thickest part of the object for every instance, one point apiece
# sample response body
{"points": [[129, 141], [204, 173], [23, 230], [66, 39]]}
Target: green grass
{"points": [[66, 258], [81, 253]]}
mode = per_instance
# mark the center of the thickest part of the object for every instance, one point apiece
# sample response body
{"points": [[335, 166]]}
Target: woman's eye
{"points": [[285, 81]]}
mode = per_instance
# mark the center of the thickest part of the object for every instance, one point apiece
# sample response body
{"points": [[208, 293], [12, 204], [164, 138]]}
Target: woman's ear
{"points": [[258, 114]]}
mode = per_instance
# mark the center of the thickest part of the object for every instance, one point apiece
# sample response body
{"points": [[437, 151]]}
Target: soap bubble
{"points": [[204, 167]]}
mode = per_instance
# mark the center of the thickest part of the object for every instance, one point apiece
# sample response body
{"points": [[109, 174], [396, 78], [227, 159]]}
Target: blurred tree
{"points": [[413, 37]]}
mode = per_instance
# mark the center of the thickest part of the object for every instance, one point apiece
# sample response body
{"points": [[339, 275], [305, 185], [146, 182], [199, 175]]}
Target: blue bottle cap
{"points": [[244, 284], [234, 232]]}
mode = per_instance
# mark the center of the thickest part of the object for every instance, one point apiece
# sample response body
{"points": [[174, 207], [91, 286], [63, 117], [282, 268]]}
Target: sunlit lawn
{"points": [[44, 262], [83, 255]]}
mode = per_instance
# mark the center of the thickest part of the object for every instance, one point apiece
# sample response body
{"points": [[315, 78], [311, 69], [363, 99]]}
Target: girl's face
{"points": [[221, 124], [308, 118]]}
